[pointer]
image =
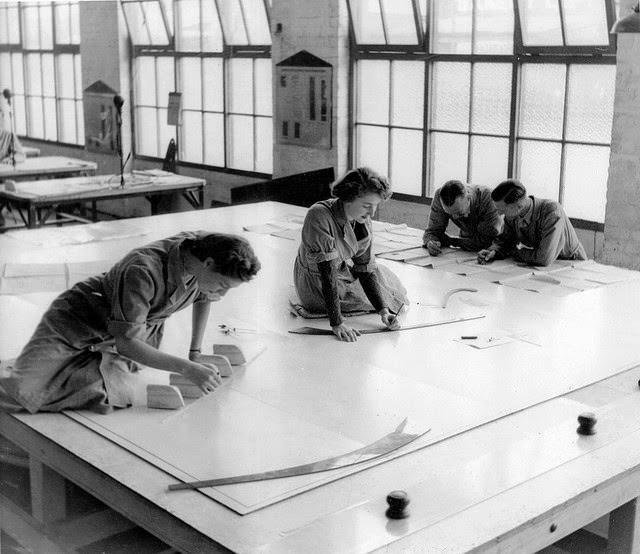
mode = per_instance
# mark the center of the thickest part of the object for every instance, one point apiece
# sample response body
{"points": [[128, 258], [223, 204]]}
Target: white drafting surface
{"points": [[306, 398]]}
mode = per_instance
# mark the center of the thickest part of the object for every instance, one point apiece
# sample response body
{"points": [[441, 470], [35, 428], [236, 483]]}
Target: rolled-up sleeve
{"points": [[318, 236], [131, 302]]}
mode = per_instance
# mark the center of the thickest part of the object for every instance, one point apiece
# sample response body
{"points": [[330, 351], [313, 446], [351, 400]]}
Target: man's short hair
{"points": [[450, 191], [509, 191]]}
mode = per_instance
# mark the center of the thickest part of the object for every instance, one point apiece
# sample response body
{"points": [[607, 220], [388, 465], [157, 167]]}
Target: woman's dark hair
{"points": [[232, 254], [450, 191], [509, 191], [359, 182]]}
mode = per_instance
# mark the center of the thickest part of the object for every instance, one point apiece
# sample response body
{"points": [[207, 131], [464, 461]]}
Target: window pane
{"points": [[145, 81], [406, 161], [264, 144], [155, 23], [373, 91], [19, 115], [585, 181], [367, 21], [214, 139], [240, 142], [191, 132], [50, 130], [407, 93], [80, 122], [5, 71], [373, 148], [136, 22], [46, 27], [232, 23], [240, 85], [63, 32], [30, 28], [590, 102], [190, 84], [257, 24], [539, 168], [452, 21], [448, 159], [450, 95], [540, 23], [491, 98], [147, 132], [166, 80], [36, 120], [494, 27], [211, 30], [48, 75], [542, 101], [34, 74], [75, 24], [78, 75], [263, 86], [188, 25], [66, 87], [14, 25], [489, 160], [67, 120], [585, 22], [213, 84], [17, 73], [400, 22]]}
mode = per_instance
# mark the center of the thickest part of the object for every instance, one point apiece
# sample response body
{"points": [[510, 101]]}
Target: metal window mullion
{"points": [[416, 19], [518, 42], [562, 25], [225, 120], [253, 109], [471, 84], [389, 124], [474, 17], [564, 134], [222, 28], [427, 163], [384, 23], [244, 20], [202, 92], [513, 118]]}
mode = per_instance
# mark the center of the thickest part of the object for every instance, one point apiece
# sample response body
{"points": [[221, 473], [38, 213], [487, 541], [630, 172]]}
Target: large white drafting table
{"points": [[500, 468]]}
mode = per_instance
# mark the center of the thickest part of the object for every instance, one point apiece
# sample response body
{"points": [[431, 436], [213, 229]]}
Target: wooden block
{"points": [[231, 351], [186, 387], [164, 397], [221, 362]]}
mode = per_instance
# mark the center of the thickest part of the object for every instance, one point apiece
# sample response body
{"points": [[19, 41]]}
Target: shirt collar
{"points": [[339, 212], [176, 274]]}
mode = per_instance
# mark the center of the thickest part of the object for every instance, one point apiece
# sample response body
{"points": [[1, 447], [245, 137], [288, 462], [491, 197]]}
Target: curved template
{"points": [[317, 331], [398, 438]]}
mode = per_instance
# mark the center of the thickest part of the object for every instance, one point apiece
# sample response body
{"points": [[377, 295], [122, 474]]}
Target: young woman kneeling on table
{"points": [[62, 366], [335, 271]]}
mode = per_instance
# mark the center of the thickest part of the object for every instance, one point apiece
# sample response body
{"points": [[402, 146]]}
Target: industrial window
{"points": [[218, 56], [480, 90], [40, 65]]}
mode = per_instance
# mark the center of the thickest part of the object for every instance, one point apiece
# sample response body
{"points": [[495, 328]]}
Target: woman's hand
{"points": [[344, 333], [205, 376], [390, 320], [486, 256]]}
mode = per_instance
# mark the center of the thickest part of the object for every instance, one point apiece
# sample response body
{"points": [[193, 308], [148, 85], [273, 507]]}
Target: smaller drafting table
{"points": [[44, 167], [38, 201]]}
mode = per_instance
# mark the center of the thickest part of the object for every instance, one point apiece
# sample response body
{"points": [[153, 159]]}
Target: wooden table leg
{"points": [[48, 492], [624, 529]]}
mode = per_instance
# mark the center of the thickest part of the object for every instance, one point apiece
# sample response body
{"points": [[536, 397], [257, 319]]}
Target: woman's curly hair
{"points": [[232, 254], [358, 182]]}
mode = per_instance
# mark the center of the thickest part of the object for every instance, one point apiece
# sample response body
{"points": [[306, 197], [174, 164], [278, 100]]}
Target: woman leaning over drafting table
{"points": [[335, 271], [61, 368]]}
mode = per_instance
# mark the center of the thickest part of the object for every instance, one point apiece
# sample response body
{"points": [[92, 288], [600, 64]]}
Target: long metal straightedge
{"points": [[317, 331], [401, 436]]}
